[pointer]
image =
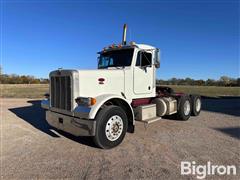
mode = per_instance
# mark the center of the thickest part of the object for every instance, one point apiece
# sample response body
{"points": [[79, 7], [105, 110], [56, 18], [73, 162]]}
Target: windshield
{"points": [[117, 58]]}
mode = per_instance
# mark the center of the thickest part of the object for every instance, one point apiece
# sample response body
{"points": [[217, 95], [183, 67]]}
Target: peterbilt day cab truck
{"points": [[105, 103]]}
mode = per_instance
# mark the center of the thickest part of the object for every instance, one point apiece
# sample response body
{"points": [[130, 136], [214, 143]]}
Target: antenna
{"points": [[124, 41]]}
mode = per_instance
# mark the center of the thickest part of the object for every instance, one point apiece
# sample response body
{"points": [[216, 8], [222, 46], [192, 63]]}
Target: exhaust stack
{"points": [[124, 38]]}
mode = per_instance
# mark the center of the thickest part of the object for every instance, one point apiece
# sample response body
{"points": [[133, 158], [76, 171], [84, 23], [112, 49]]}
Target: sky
{"points": [[197, 39]]}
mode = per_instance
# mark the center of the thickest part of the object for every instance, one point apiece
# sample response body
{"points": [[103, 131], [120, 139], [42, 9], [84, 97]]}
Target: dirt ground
{"points": [[30, 149]]}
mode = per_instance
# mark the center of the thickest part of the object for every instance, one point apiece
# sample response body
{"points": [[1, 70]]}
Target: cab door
{"points": [[143, 73]]}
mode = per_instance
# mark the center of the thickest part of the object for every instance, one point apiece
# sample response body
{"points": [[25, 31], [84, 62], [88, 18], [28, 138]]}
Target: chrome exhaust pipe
{"points": [[124, 38]]}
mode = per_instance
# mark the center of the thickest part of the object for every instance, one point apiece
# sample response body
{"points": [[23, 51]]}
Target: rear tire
{"points": [[184, 108], [111, 127], [196, 105]]}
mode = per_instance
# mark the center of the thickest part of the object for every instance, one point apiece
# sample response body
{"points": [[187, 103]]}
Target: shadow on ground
{"points": [[231, 131], [224, 105], [35, 116]]}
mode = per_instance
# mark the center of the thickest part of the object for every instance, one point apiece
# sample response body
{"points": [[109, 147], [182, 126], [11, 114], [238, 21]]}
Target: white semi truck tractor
{"points": [[105, 103]]}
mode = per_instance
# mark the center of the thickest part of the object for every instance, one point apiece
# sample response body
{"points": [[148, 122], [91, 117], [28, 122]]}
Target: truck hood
{"points": [[93, 83]]}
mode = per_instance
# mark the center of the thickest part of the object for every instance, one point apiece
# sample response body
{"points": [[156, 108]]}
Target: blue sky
{"points": [[198, 39]]}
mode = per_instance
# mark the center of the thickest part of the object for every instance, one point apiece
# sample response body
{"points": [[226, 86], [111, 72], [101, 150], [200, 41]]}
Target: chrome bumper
{"points": [[70, 124], [75, 122]]}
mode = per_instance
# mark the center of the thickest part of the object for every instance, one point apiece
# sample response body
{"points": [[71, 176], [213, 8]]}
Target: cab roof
{"points": [[145, 46], [119, 47]]}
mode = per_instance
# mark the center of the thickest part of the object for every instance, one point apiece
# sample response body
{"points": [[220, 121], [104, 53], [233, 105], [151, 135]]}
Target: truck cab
{"points": [[137, 62], [106, 102]]}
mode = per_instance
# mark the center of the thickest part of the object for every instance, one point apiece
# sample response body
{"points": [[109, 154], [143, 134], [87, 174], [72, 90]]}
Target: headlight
{"points": [[85, 101]]}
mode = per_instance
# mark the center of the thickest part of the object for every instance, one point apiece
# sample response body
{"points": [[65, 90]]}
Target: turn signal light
{"points": [[85, 101], [93, 101]]}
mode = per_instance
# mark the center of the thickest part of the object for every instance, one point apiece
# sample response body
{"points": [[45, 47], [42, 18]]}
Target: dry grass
{"points": [[208, 90], [23, 90], [38, 90]]}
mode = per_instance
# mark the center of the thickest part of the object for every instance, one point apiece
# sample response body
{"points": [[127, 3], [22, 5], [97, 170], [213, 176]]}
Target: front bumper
{"points": [[75, 122], [70, 124]]}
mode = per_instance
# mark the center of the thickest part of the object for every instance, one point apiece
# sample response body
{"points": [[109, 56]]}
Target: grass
{"points": [[38, 90], [212, 91], [23, 90]]}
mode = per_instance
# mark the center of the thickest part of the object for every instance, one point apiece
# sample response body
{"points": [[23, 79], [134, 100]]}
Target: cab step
{"points": [[151, 120]]}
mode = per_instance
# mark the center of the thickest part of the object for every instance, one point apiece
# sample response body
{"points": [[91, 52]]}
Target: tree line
{"points": [[222, 81], [16, 79]]}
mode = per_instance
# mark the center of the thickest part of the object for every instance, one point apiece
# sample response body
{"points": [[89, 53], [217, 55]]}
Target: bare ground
{"points": [[30, 149]]}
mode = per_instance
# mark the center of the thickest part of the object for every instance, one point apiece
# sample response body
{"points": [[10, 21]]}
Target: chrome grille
{"points": [[61, 92]]}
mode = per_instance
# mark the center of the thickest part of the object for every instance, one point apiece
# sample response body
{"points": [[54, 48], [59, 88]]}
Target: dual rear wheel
{"points": [[187, 106], [196, 105]]}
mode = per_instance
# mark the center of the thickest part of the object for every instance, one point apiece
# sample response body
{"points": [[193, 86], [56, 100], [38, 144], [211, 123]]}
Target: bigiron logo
{"points": [[201, 171]]}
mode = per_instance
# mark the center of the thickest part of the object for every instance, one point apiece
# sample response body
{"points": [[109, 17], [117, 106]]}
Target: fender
{"points": [[100, 100]]}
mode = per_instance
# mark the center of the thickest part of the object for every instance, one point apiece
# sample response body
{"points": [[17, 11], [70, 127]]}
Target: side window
{"points": [[138, 63], [144, 59]]}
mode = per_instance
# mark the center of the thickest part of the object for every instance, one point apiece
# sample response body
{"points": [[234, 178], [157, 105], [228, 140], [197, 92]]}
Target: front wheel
{"points": [[111, 127]]}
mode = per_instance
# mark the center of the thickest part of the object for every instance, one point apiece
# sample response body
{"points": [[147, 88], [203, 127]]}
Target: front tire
{"points": [[111, 127]]}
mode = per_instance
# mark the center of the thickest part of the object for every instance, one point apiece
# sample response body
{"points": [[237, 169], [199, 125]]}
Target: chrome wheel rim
{"points": [[114, 128], [198, 105], [186, 108]]}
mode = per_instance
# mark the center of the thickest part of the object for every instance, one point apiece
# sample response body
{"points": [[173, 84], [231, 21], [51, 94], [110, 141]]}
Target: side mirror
{"points": [[157, 58], [157, 64]]}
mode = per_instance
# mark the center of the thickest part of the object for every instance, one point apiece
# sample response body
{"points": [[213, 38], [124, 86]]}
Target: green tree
{"points": [[210, 82], [224, 80]]}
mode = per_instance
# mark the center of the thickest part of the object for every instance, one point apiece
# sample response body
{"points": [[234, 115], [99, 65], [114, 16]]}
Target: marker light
{"points": [[113, 45], [132, 43]]}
